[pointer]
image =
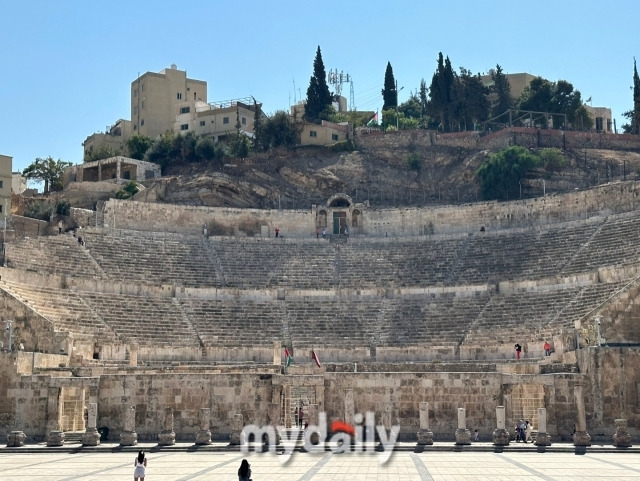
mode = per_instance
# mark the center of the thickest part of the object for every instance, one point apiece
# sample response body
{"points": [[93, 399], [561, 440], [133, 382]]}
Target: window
{"points": [[313, 133], [225, 120], [244, 121], [202, 122], [184, 127], [1, 184], [142, 106], [142, 87], [334, 137], [135, 126], [179, 95], [0, 208], [141, 122], [185, 110]]}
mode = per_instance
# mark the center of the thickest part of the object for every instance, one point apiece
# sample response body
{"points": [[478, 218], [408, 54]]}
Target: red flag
{"points": [[286, 352], [314, 356]]}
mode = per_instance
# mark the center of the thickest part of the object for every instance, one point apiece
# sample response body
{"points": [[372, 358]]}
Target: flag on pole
{"points": [[314, 356], [288, 357]]}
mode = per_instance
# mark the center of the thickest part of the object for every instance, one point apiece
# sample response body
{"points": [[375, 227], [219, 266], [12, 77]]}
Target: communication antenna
{"points": [[337, 79], [352, 98], [295, 99]]}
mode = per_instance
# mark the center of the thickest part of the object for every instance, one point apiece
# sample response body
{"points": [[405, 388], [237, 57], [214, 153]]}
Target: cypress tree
{"points": [[635, 121], [389, 92], [318, 94]]}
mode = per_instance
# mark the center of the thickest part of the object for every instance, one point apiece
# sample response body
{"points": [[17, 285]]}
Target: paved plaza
{"points": [[189, 464]]}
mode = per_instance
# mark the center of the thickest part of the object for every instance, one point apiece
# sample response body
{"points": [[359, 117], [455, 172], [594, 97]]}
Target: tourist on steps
{"points": [[518, 348]]}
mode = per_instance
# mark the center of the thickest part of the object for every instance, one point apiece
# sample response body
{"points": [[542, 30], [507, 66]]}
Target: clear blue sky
{"points": [[67, 65]]}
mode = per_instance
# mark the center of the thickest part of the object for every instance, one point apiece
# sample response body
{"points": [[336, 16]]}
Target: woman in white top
{"points": [[140, 463]]}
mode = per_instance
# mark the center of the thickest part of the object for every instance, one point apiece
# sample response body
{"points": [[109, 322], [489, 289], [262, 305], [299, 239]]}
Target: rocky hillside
{"points": [[302, 177]]}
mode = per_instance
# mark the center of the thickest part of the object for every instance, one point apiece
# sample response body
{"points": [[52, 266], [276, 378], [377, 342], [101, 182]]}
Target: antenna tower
{"points": [[337, 79]]}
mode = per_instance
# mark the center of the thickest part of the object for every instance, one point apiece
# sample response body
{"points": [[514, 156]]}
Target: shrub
{"points": [[39, 210], [128, 190], [414, 161], [63, 207], [552, 159]]}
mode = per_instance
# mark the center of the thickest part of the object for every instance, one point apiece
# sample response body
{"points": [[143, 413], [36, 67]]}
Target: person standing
{"points": [[518, 349], [277, 232], [204, 230], [547, 348], [317, 232], [244, 472], [141, 466], [300, 416], [527, 430], [60, 227], [324, 233]]}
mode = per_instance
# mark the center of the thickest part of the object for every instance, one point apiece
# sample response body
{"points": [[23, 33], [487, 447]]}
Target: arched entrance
{"points": [[340, 204]]}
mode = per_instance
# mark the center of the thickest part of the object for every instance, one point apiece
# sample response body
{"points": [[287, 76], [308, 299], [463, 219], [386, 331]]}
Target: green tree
{"points": [[318, 94], [471, 98], [502, 89], [137, 146], [441, 94], [205, 149], [390, 90], [258, 128], [500, 176], [48, 171], [104, 151], [128, 190], [423, 98], [280, 130]]}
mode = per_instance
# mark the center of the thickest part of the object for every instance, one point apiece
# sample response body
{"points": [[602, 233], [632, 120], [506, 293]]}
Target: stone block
{"points": [[128, 438], [55, 438], [91, 437], [501, 437], [463, 437]]}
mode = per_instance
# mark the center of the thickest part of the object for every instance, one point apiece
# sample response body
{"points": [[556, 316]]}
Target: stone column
{"points": [[203, 435], [500, 435], [349, 408], [542, 438], [55, 437], [91, 436], [15, 439], [425, 435], [287, 407], [273, 411], [167, 436], [621, 439], [581, 437], [463, 436], [236, 429], [277, 353], [129, 437]]}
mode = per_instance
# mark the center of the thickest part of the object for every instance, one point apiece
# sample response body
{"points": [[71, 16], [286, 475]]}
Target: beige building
{"points": [[157, 98], [217, 119], [5, 188], [517, 82], [602, 120], [327, 133], [114, 137]]}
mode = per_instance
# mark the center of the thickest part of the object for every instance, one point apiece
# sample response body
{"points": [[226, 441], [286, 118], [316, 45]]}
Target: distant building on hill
{"points": [[170, 101]]}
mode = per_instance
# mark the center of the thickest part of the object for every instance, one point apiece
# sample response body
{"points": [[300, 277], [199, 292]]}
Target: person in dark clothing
{"points": [[244, 473], [518, 349]]}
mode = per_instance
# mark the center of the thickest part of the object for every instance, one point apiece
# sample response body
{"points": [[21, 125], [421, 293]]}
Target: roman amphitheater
{"points": [[164, 330]]}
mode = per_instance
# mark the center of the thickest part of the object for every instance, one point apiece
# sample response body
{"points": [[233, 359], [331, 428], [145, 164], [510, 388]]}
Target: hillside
{"points": [[305, 176]]}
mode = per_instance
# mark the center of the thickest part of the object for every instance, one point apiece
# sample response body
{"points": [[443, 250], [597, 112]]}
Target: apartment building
{"points": [[157, 98]]}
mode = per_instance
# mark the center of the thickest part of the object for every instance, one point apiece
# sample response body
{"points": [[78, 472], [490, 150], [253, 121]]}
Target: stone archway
{"points": [[341, 205]]}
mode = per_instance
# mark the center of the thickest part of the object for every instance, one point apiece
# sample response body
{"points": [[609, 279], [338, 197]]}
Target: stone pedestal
{"points": [[542, 438], [463, 435], [15, 439], [236, 429], [621, 439], [581, 438], [55, 438], [166, 438], [91, 437], [425, 435], [501, 436], [128, 438]]}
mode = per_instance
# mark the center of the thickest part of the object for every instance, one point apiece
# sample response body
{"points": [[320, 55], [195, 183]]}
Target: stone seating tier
{"points": [[361, 263]]}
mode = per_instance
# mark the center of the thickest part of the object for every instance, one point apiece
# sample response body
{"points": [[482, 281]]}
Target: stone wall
{"points": [[599, 201]]}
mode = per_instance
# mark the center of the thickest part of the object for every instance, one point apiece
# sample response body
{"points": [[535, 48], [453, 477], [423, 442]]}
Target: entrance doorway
{"points": [[339, 222]]}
